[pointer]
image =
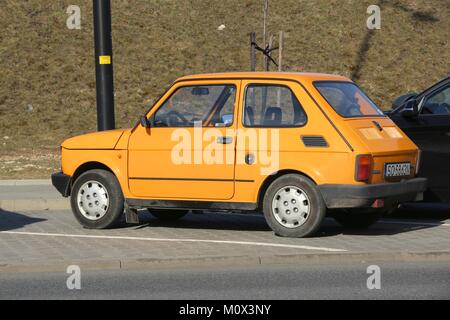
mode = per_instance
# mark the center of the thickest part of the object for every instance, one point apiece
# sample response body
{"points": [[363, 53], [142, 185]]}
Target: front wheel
{"points": [[293, 207], [97, 200]]}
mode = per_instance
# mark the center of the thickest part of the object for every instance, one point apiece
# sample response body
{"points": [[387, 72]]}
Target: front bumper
{"points": [[360, 196], [61, 182]]}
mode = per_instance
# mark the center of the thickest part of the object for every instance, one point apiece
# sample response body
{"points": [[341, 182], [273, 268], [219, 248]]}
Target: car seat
{"points": [[273, 117]]}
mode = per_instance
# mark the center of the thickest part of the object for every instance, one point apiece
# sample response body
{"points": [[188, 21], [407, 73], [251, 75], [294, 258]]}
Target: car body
{"points": [[296, 145], [425, 118]]}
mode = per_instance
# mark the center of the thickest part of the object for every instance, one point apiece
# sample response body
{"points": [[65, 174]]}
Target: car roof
{"points": [[296, 76]]}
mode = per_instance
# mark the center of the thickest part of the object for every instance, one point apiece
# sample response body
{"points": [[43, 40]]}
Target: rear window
{"points": [[347, 99]]}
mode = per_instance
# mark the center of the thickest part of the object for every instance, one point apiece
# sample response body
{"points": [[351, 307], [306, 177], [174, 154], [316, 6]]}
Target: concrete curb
{"points": [[32, 203], [300, 259], [35, 204], [6, 183]]}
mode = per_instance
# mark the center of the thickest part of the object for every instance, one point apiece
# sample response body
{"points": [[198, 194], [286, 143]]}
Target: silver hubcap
{"points": [[291, 207], [93, 200]]}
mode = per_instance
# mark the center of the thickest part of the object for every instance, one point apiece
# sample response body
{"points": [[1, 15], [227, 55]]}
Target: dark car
{"points": [[425, 118]]}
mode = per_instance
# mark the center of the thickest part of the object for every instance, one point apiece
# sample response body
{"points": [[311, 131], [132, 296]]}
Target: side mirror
{"points": [[227, 119], [145, 122], [410, 109], [399, 101]]}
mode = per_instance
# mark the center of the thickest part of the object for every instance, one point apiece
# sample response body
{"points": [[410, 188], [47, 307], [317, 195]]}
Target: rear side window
{"points": [[347, 99], [272, 106]]}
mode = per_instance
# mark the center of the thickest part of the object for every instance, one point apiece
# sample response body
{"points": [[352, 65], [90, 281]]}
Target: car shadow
{"points": [[424, 211], [213, 221], [379, 229], [407, 219], [12, 220]]}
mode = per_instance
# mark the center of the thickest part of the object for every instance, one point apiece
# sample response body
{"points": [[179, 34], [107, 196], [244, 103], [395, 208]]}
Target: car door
{"points": [[430, 130], [271, 124], [189, 150], [434, 141]]}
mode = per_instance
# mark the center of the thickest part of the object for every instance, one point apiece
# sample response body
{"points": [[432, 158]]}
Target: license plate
{"points": [[396, 170]]}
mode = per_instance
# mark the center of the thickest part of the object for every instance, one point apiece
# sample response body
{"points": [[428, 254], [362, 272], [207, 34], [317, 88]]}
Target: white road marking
{"points": [[263, 244]]}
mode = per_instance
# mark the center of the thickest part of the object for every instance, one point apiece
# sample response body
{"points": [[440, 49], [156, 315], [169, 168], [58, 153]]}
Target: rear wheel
{"points": [[97, 200], [293, 207], [357, 219], [168, 215]]}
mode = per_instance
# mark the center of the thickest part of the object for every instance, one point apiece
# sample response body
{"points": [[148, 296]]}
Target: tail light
{"points": [[363, 167]]}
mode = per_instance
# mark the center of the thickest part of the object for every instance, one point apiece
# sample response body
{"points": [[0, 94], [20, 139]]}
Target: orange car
{"points": [[292, 145]]}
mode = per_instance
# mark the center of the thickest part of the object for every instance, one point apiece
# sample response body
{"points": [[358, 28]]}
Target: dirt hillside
{"points": [[47, 80]]}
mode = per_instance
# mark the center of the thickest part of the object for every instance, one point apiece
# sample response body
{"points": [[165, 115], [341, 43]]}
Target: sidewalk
{"points": [[30, 195], [50, 241], [39, 233]]}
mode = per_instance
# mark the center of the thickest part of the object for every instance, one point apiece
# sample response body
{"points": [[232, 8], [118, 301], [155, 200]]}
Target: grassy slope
{"points": [[51, 68]]}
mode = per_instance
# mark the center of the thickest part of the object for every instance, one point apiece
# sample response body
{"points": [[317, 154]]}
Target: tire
{"points": [[168, 215], [303, 208], [355, 219], [97, 200]]}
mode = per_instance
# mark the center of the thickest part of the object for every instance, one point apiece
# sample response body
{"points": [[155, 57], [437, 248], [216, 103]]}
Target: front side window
{"points": [[272, 106], [438, 103], [347, 99], [211, 105]]}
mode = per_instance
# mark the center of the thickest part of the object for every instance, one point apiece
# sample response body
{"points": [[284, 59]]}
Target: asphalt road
{"points": [[398, 281]]}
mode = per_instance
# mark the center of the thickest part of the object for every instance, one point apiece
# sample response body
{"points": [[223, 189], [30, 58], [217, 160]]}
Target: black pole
{"points": [[253, 51], [104, 65]]}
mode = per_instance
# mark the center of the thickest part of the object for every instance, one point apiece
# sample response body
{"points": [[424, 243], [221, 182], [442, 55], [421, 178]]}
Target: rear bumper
{"points": [[357, 196], [62, 183]]}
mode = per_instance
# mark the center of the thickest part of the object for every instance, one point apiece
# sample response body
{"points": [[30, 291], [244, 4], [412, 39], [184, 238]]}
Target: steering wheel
{"points": [[176, 114]]}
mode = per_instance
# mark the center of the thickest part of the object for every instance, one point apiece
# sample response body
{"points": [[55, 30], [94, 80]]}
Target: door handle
{"points": [[224, 140]]}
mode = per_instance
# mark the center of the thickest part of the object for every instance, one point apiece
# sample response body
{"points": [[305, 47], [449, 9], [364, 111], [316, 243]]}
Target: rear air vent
{"points": [[314, 141]]}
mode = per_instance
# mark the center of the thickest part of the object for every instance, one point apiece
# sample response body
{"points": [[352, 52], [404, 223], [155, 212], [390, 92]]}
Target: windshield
{"points": [[347, 99]]}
